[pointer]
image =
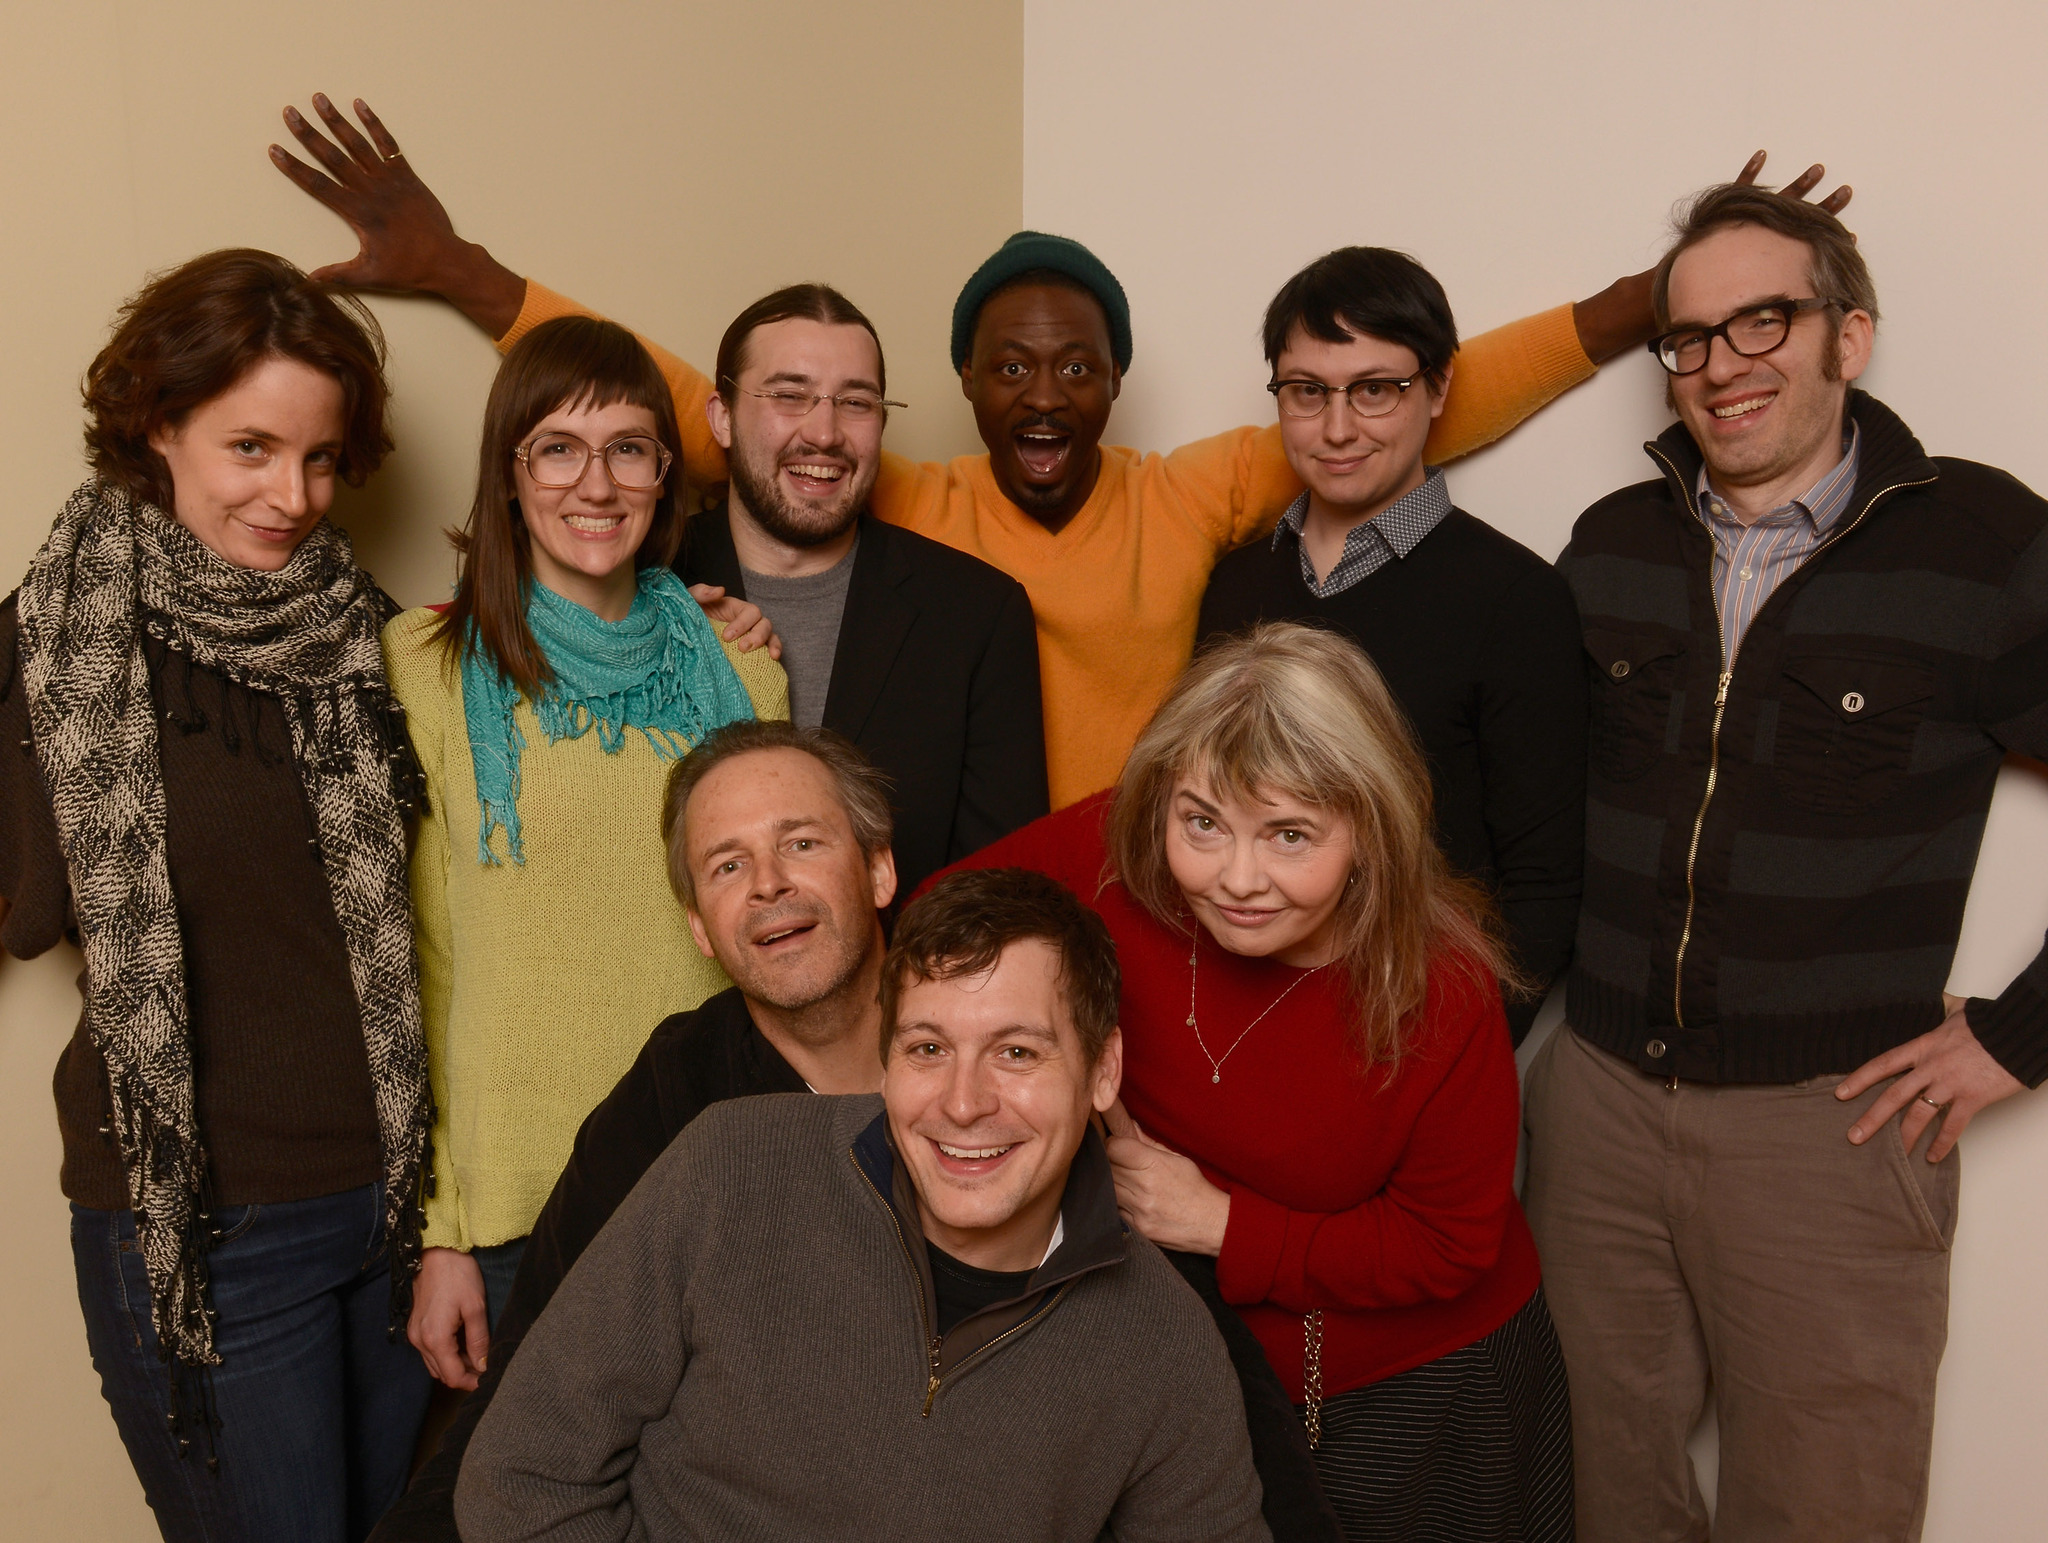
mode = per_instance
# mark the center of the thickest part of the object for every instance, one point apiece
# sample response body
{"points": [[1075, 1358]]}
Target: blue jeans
{"points": [[498, 1264], [316, 1409]]}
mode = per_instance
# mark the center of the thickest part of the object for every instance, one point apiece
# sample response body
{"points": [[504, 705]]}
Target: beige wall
{"points": [[1529, 154], [876, 147]]}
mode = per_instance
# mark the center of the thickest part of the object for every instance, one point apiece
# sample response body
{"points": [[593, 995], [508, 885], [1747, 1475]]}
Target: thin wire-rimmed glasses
{"points": [[1752, 331], [1366, 398], [635, 462], [854, 406]]}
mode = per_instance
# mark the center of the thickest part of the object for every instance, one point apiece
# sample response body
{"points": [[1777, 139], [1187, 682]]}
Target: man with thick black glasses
{"points": [[1474, 632], [1810, 646]]}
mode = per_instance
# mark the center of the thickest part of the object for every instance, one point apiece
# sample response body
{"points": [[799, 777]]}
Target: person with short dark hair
{"points": [[546, 703], [1811, 645], [928, 1297], [205, 786], [1113, 546], [1476, 635], [1319, 1108]]}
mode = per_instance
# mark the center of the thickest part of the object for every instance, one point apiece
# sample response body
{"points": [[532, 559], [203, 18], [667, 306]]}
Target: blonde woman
{"points": [[1321, 1094]]}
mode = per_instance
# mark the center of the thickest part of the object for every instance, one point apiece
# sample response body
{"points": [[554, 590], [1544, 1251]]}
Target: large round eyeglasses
{"points": [[635, 462], [1367, 398], [1754, 330]]}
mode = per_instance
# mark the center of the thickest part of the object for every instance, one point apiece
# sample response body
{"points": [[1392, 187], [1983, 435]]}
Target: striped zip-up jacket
{"points": [[1777, 856]]}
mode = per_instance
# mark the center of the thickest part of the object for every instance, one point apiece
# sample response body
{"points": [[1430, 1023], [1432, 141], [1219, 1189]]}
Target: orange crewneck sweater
{"points": [[1116, 592]]}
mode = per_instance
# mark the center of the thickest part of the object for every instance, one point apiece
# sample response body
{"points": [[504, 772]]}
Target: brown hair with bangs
{"points": [[189, 334], [572, 361], [1295, 710]]}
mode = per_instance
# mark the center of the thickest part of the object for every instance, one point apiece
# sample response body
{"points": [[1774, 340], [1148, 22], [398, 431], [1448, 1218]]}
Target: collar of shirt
{"points": [[1371, 544], [1822, 504]]}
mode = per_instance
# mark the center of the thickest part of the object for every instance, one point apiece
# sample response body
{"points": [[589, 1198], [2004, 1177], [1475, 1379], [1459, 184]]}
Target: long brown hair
{"points": [[190, 333], [1300, 711], [573, 361]]}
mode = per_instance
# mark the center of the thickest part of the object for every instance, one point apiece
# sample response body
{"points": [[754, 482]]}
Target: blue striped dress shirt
{"points": [[1750, 561]]}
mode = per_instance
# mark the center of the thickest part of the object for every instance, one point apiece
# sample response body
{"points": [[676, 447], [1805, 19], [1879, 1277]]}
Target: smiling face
{"points": [[253, 470], [989, 1092], [586, 536], [1264, 876], [785, 898], [1772, 423], [803, 481], [1041, 378], [1354, 467]]}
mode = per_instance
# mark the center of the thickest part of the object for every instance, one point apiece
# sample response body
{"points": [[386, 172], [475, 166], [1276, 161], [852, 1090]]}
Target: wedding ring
{"points": [[1930, 1103]]}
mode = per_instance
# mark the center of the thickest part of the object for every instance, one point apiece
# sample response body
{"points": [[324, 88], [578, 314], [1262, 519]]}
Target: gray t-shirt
{"points": [[806, 612]]}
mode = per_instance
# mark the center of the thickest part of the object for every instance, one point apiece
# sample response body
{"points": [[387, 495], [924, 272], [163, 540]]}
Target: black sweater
{"points": [[1479, 642], [697, 1059], [1778, 857]]}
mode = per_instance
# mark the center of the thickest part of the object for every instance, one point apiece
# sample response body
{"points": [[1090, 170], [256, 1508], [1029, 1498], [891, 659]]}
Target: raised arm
{"points": [[1503, 376], [407, 245]]}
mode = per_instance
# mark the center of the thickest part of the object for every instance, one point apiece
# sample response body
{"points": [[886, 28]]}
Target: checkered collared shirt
{"points": [[1394, 532], [1750, 561]]}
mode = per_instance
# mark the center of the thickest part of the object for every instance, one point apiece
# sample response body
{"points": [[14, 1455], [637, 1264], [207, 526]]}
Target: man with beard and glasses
{"points": [[1114, 546], [924, 657]]}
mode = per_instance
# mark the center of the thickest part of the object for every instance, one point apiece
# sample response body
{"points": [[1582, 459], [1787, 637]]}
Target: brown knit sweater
{"points": [[744, 1352], [281, 1076]]}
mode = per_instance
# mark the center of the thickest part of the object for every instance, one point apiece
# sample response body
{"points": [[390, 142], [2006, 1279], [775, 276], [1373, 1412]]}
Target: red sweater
{"points": [[1389, 1206]]}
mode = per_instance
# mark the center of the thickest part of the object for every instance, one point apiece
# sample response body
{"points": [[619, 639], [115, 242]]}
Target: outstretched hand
{"points": [[1944, 1072], [406, 242], [1620, 316]]}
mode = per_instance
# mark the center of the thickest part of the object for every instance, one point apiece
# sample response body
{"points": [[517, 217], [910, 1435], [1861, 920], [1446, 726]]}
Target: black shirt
{"points": [[1478, 638], [963, 1289]]}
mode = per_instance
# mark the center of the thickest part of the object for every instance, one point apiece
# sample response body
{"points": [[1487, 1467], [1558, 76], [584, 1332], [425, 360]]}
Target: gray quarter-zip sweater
{"points": [[746, 1351]]}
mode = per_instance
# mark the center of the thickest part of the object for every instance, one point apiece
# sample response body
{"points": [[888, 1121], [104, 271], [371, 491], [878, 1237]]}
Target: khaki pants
{"points": [[1730, 1237]]}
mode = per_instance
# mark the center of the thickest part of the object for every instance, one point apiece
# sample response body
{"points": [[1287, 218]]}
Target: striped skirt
{"points": [[1475, 1447]]}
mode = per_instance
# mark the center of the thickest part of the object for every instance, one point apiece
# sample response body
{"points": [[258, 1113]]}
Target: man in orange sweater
{"points": [[1114, 546]]}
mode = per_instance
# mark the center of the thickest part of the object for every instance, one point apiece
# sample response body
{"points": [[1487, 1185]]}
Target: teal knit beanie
{"points": [[1030, 251]]}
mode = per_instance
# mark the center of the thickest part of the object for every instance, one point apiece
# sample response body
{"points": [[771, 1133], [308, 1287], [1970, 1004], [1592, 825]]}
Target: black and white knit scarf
{"points": [[307, 634]]}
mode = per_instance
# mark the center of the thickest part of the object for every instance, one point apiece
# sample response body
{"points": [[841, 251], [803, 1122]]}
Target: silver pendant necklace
{"points": [[1216, 1062]]}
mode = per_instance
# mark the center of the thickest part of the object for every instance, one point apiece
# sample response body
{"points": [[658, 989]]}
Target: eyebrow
{"points": [[798, 378], [1298, 822], [781, 827], [1747, 305]]}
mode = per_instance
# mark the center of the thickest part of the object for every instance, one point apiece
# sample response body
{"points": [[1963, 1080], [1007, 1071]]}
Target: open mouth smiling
{"points": [[1732, 410], [594, 524], [815, 477], [1042, 448]]}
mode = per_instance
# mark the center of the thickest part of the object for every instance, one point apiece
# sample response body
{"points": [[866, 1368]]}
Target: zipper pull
{"points": [[1721, 694], [931, 1388]]}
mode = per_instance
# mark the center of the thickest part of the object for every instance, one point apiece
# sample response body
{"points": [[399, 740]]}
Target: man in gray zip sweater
{"points": [[906, 1317]]}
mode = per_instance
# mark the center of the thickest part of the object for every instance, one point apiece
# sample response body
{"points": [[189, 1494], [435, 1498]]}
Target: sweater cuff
{"points": [[1252, 1244], [2012, 1029], [541, 304], [1556, 356]]}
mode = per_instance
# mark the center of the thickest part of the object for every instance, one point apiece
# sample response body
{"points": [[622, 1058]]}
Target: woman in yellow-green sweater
{"points": [[547, 704]]}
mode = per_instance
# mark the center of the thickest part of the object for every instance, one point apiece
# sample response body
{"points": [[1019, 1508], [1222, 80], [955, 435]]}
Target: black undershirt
{"points": [[963, 1290]]}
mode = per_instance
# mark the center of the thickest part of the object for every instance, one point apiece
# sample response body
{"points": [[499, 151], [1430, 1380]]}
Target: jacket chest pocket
{"points": [[1845, 729], [1635, 677]]}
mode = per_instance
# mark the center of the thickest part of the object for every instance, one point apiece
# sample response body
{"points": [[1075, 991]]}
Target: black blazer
{"points": [[936, 678]]}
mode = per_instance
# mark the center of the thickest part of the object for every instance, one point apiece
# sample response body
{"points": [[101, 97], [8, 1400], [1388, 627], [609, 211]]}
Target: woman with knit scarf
{"points": [[205, 785], [547, 704]]}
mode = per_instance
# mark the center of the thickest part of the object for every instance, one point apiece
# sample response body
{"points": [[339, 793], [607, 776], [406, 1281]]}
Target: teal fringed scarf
{"points": [[662, 671]]}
